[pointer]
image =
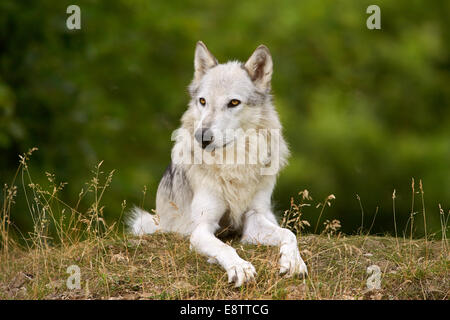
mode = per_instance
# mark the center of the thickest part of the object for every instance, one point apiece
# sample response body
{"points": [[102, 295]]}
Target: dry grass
{"points": [[161, 266]]}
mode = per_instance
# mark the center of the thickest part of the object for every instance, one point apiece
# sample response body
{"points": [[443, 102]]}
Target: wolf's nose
{"points": [[204, 137]]}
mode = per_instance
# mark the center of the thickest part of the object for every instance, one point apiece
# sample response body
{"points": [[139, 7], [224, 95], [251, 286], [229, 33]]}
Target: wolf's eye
{"points": [[233, 103], [202, 101]]}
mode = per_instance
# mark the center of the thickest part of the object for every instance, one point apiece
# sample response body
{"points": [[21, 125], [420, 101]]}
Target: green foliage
{"points": [[364, 110]]}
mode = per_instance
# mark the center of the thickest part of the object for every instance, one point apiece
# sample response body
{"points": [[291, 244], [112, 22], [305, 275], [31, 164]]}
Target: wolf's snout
{"points": [[204, 136]]}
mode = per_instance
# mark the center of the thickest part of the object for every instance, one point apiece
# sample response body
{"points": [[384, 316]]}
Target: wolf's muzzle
{"points": [[204, 136]]}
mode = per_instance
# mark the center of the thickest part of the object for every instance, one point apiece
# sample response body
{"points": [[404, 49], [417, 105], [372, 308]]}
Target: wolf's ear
{"points": [[203, 60], [259, 66]]}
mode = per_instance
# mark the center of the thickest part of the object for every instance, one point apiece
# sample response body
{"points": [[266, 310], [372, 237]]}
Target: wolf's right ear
{"points": [[203, 60], [259, 67]]}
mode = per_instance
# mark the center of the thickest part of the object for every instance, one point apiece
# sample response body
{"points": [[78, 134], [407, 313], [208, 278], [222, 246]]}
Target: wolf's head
{"points": [[229, 96]]}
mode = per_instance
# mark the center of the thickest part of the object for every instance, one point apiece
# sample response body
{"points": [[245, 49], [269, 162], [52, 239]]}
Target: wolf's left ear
{"points": [[259, 66], [203, 60]]}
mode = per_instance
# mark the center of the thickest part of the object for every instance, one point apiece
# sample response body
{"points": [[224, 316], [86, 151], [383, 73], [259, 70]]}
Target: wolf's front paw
{"points": [[241, 271], [291, 263]]}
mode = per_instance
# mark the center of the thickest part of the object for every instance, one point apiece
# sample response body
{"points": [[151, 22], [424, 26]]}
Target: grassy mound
{"points": [[161, 266]]}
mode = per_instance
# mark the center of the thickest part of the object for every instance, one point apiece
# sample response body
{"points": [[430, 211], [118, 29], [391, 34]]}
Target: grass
{"points": [[161, 266], [114, 265]]}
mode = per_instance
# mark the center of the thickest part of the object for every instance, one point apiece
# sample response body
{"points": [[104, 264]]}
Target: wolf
{"points": [[203, 197]]}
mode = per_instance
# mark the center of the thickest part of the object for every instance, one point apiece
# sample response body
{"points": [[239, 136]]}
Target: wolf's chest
{"points": [[238, 188], [236, 185]]}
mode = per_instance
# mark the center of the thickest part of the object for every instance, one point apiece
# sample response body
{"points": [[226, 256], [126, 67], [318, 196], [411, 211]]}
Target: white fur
{"points": [[141, 222], [193, 198]]}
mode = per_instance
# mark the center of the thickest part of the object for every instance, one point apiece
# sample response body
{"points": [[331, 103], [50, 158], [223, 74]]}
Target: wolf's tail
{"points": [[141, 222]]}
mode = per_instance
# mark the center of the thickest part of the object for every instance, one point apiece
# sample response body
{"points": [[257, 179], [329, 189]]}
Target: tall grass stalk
{"points": [[424, 219], [395, 219], [326, 202]]}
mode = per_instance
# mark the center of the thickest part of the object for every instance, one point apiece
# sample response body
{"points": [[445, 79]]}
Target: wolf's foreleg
{"points": [[260, 228], [206, 212]]}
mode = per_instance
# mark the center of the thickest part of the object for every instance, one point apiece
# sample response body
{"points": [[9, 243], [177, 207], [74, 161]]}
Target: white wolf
{"points": [[202, 199]]}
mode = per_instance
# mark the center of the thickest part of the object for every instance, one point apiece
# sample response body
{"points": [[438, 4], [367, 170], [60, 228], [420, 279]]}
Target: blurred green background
{"points": [[364, 111]]}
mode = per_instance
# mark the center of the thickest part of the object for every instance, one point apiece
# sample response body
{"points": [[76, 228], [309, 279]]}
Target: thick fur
{"points": [[201, 199]]}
